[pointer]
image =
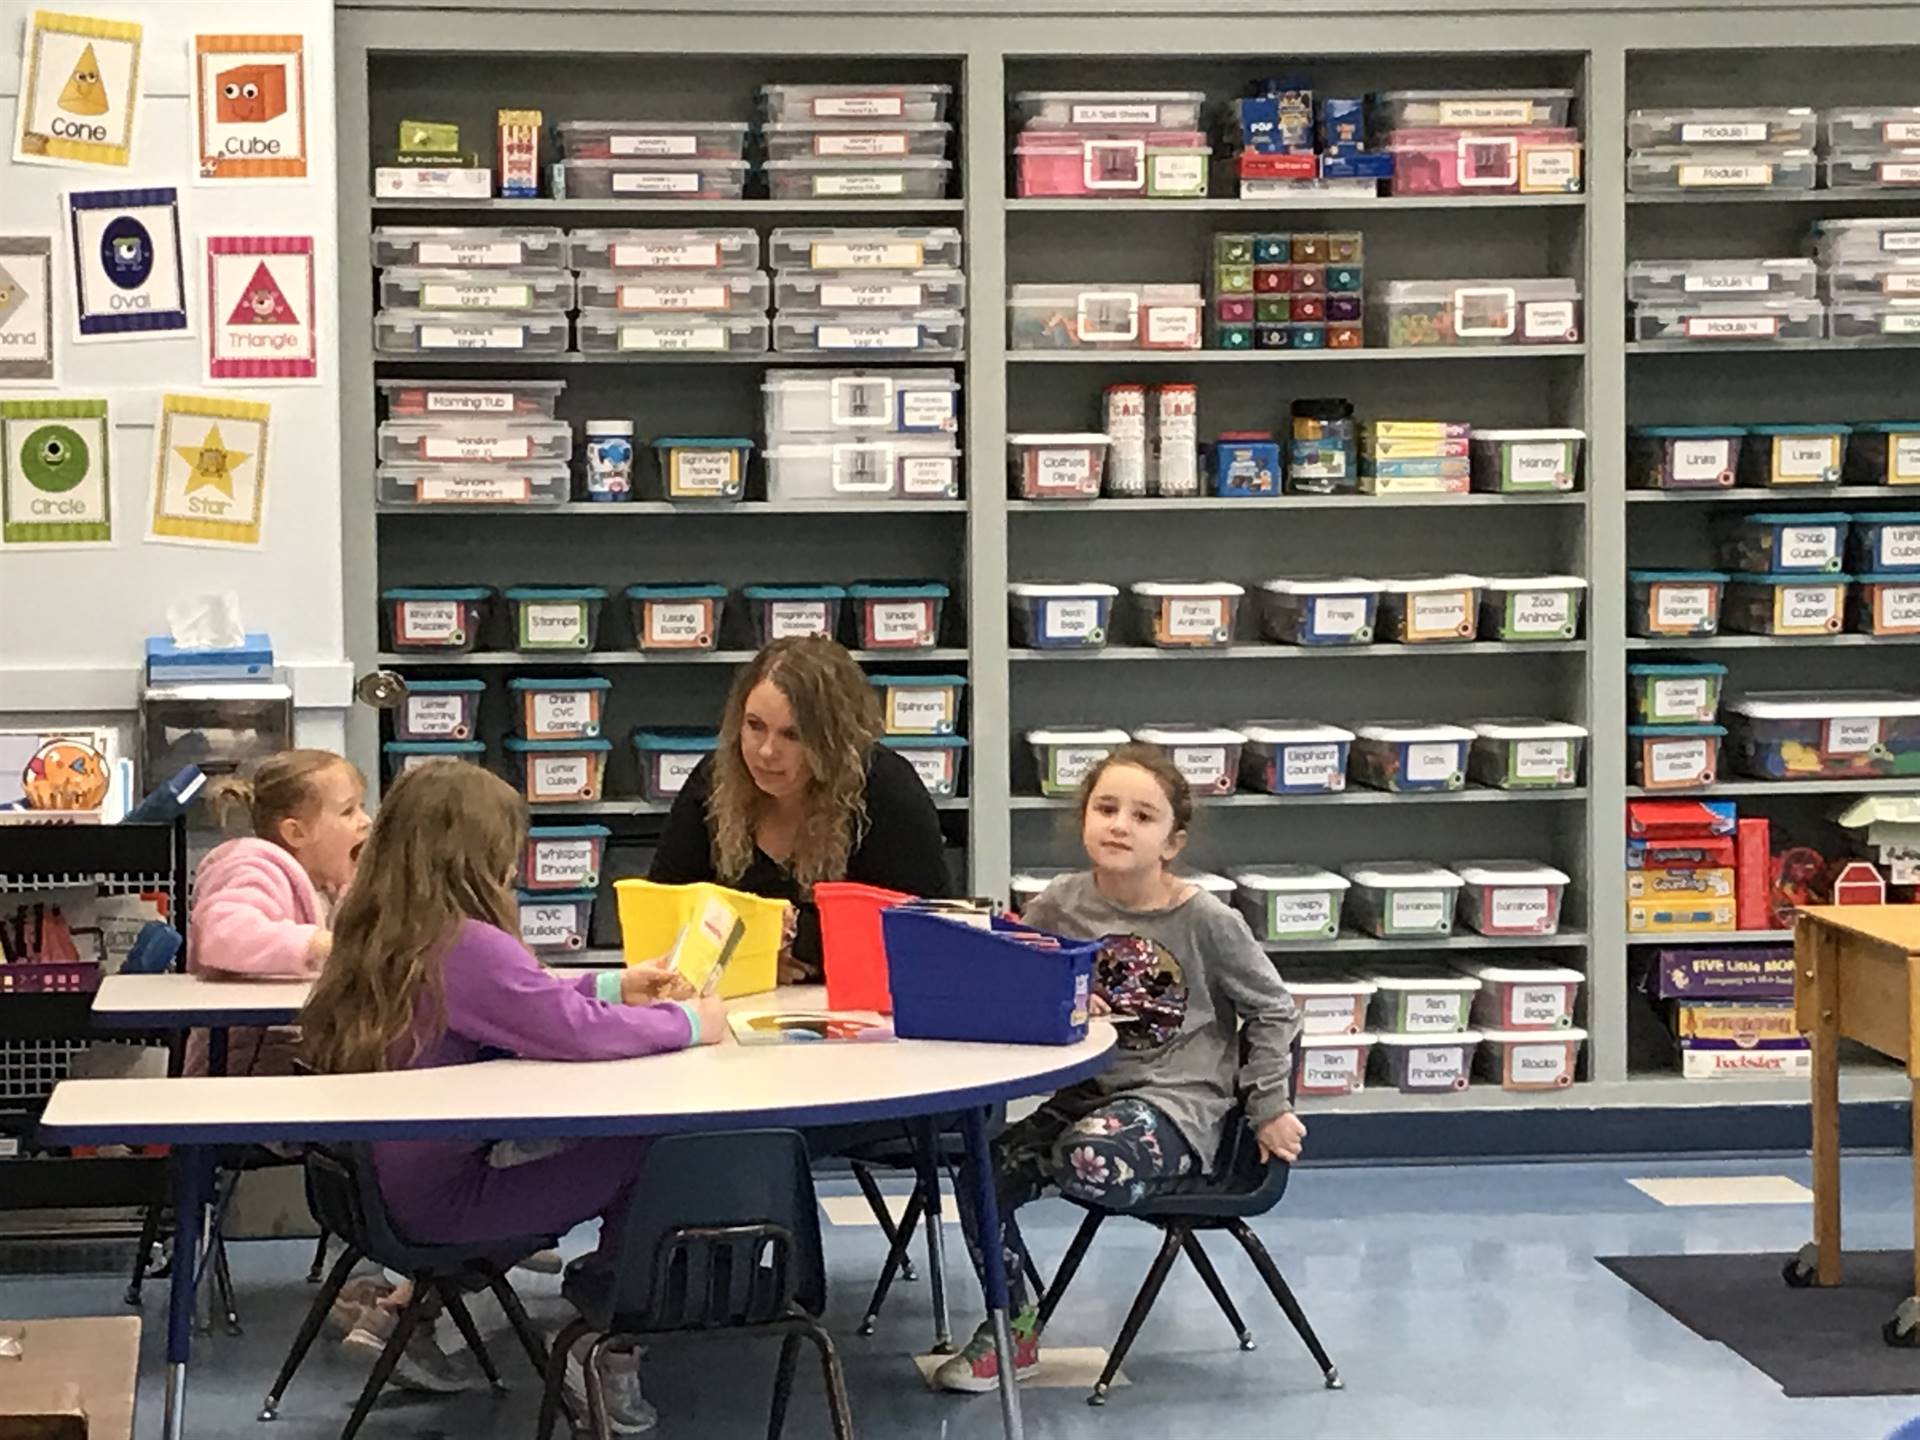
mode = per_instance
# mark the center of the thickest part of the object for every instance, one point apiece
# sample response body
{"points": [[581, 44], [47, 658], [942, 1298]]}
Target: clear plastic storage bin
{"points": [[467, 442], [1883, 168], [1684, 457], [1526, 462], [1410, 758], [1788, 127], [446, 619], [1861, 127], [847, 332], [1184, 615], [1454, 161], [559, 772], [676, 617], [903, 467], [1295, 757], [1335, 1005], [1105, 317], [1472, 109], [1422, 999], [1056, 467], [1523, 997], [649, 179], [1062, 616], [1516, 608], [1511, 897], [470, 484], [432, 332], [899, 615], [1208, 756], [439, 710], [555, 617], [1746, 320], [1070, 163], [469, 247], [1333, 1065], [652, 139], [1526, 754], [933, 289], [1288, 904], [668, 757], [1709, 169], [413, 287], [1340, 611], [1685, 282], [1875, 319], [563, 857], [906, 247], [663, 249], [562, 708], [1427, 1064], [783, 611], [1064, 754], [703, 292], [864, 101], [1426, 313], [1430, 609], [936, 759], [862, 178], [855, 404], [1530, 1059], [515, 400], [920, 704], [879, 139], [615, 332], [1849, 735], [1889, 279], [1868, 239], [1674, 604], [1112, 109]]}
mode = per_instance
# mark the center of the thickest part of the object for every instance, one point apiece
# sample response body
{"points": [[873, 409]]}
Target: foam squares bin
{"points": [[403, 755], [442, 618], [1788, 543], [900, 616], [1530, 1059], [1427, 610], [1511, 897], [556, 617], [1287, 904], [954, 981], [1207, 756], [1294, 757], [1684, 457], [919, 704], [1402, 898], [1065, 754], [1673, 757], [1183, 615], [439, 710], [557, 921], [702, 467], [1422, 1000], [1334, 1064], [1786, 603], [652, 917], [1785, 456], [1339, 611], [1335, 1006], [676, 617], [1427, 1064], [1062, 616], [563, 857], [1523, 997], [1884, 540], [1885, 603], [562, 708], [1685, 693], [1526, 754], [1670, 604], [1847, 735], [1519, 608], [1408, 758], [781, 612], [559, 772], [668, 756]]}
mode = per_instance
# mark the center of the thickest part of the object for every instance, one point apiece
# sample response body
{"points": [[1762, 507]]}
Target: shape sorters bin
{"points": [[676, 617], [439, 710], [781, 612], [561, 708], [898, 616], [955, 981], [1285, 904], [1062, 616], [556, 617], [1335, 1006], [403, 755], [1334, 1064], [557, 921], [1511, 897], [668, 757], [563, 857], [559, 772], [1523, 997], [919, 704], [652, 916], [1064, 754], [443, 618], [1530, 1059], [935, 759], [1427, 1064], [1294, 757]]}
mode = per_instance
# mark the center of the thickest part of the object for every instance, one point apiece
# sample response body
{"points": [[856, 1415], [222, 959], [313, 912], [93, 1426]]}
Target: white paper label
{"points": [[473, 337], [1904, 323], [469, 402], [429, 619], [1682, 608], [1538, 1064], [926, 410], [1146, 113], [559, 775], [860, 145], [1897, 548], [673, 297], [1550, 167], [677, 622], [1543, 759], [918, 711], [656, 182], [704, 472], [869, 255], [901, 622], [1311, 767], [1678, 762], [673, 768], [1897, 607], [932, 768], [1854, 735], [1339, 614], [1172, 325], [1202, 765], [1808, 547], [1746, 282], [1549, 320], [1541, 463], [1540, 1005], [1309, 912], [472, 490], [1442, 612], [1519, 907], [1809, 607], [888, 183], [1900, 240], [1177, 173], [927, 475], [1903, 459], [1072, 762], [1193, 619], [549, 927], [1731, 327], [1437, 1068], [1801, 458], [1541, 612], [858, 107], [786, 618], [1899, 172], [673, 337], [1486, 111], [1723, 132], [1701, 459], [1070, 470], [476, 297], [653, 145], [658, 255], [564, 623], [436, 715], [1329, 1071], [1431, 1010], [1419, 910], [1692, 176], [1325, 1014], [874, 296], [1900, 282], [1900, 132], [563, 712], [1433, 762], [1676, 700], [462, 254], [867, 337], [562, 862], [1069, 619], [478, 447]]}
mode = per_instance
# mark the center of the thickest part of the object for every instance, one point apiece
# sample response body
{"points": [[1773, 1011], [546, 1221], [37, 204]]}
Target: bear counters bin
{"points": [[1209, 758], [1427, 1064], [439, 710], [556, 922], [1511, 897], [1063, 616], [1294, 757], [1288, 904], [1065, 754], [1785, 543], [563, 857]]}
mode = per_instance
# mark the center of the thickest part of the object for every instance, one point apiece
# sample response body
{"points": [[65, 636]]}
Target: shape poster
{"points": [[210, 471], [26, 308], [79, 90], [250, 107], [56, 474], [261, 316], [129, 270]]}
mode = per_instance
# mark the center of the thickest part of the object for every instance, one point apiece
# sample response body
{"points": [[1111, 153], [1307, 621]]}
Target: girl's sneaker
{"points": [[422, 1365], [976, 1369], [628, 1412]]}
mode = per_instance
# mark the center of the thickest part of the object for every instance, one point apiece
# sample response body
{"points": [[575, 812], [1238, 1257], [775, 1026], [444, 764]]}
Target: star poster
{"points": [[249, 108], [261, 313], [79, 90], [26, 308], [129, 270], [56, 478], [210, 471]]}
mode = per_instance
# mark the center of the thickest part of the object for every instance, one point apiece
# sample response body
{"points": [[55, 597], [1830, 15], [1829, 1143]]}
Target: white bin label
{"points": [[892, 183], [463, 255], [1732, 327], [927, 475], [473, 337], [1204, 766], [1701, 459], [1802, 458], [1432, 1010], [515, 446], [868, 255], [563, 712], [469, 402], [1550, 320], [787, 618], [562, 862], [673, 337], [1438, 1068], [1432, 762], [926, 410], [850, 295], [1539, 1064], [1900, 240], [1550, 167], [665, 255], [1543, 760], [918, 711], [673, 297], [1519, 907], [1072, 762], [476, 297], [672, 769], [1541, 463], [867, 337], [1071, 470], [1145, 113], [1537, 1004], [858, 107], [704, 472], [1898, 548], [1177, 173], [548, 624], [1904, 460], [473, 490], [1441, 612], [1900, 132], [657, 182], [549, 927], [1682, 607], [1173, 326], [1678, 762], [932, 768], [1314, 767], [1808, 547], [1723, 132], [1069, 619], [1743, 282], [677, 622], [653, 145], [1900, 282], [429, 619], [1194, 619], [1307, 913], [1899, 172], [1898, 607], [842, 146], [1339, 614], [1855, 735], [563, 777], [436, 715], [902, 622], [1475, 114], [1808, 607], [1905, 323], [1680, 699], [1421, 911], [1541, 612], [1325, 1014], [1330, 1071], [1691, 176]]}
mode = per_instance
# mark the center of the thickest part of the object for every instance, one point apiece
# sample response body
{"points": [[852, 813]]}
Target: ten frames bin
{"points": [[1422, 1000], [1427, 1064]]}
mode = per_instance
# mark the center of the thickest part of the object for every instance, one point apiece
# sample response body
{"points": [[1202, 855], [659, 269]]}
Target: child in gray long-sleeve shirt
{"points": [[1181, 974]]}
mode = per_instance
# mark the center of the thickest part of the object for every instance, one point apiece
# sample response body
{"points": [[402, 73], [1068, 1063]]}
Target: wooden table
{"points": [[1854, 978]]}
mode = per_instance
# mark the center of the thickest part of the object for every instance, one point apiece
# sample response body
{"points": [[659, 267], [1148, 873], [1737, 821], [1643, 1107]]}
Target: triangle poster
{"points": [[261, 309], [79, 91]]}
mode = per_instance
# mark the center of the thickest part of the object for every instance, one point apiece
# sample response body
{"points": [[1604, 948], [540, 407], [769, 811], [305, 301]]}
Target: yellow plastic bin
{"points": [[652, 917]]}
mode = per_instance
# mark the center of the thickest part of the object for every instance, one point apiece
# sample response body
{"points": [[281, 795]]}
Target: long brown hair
{"points": [[281, 787], [443, 850], [838, 717]]}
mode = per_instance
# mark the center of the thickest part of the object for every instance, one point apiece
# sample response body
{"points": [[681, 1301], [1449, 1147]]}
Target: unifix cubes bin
{"points": [[1677, 694], [1526, 754], [919, 704], [1335, 1006], [1400, 898], [563, 708], [1673, 757], [1787, 735], [1684, 457], [1062, 616], [935, 759], [1523, 997], [1183, 615], [403, 755], [1430, 609], [1668, 604], [559, 772], [1885, 603], [556, 921], [1320, 612], [444, 618], [667, 756], [1056, 467], [439, 710], [556, 617], [1531, 607], [1064, 754], [1530, 1059], [1526, 462], [703, 467], [1294, 757], [1427, 1064], [1884, 540], [1209, 757], [1511, 897], [1788, 543], [1789, 455], [1786, 603], [563, 857], [1407, 758], [1288, 903], [900, 616], [1334, 1064], [676, 617], [1422, 1000], [781, 612]]}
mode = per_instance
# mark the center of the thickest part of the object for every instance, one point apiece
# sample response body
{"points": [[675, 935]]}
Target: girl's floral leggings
{"points": [[1113, 1152]]}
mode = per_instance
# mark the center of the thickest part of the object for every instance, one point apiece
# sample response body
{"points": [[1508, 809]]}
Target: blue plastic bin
{"points": [[954, 981]]}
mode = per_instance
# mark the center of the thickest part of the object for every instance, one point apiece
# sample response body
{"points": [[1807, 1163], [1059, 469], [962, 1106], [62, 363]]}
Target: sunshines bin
{"points": [[952, 980]]}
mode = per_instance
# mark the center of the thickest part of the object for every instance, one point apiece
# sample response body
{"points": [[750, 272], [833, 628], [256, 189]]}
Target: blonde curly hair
{"points": [[838, 717]]}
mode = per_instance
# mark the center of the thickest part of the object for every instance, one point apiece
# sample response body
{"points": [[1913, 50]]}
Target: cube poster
{"points": [[249, 108]]}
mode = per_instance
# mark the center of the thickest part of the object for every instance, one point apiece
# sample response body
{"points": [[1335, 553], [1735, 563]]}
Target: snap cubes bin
{"points": [[1333, 1065], [935, 759], [702, 467], [1674, 604], [556, 617], [663, 249], [1530, 1059], [1336, 1006], [1435, 609], [652, 917], [1788, 543], [1531, 607], [1511, 897], [563, 708], [556, 921], [1064, 754], [1185, 615], [1408, 758], [1294, 757], [1874, 319], [1523, 997], [403, 755], [1291, 903], [898, 616], [1684, 457], [1675, 694], [1800, 603], [1526, 754], [1847, 735], [1526, 462], [1402, 899], [439, 710], [443, 618], [676, 617], [563, 857], [1730, 126], [781, 612], [1340, 611], [1427, 1064], [1886, 453], [1062, 616], [954, 981], [1056, 467], [667, 756], [919, 704], [1883, 603], [1791, 455], [1674, 757], [1422, 1000], [1884, 540], [1208, 756], [559, 772]]}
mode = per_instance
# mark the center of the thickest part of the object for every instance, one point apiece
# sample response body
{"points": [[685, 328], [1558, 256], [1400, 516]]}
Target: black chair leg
{"points": [[1076, 1252], [783, 1386], [383, 1367], [1035, 1280], [223, 1285], [1137, 1316], [837, 1407], [470, 1332], [1197, 1253], [555, 1370], [1276, 1282], [315, 1270], [877, 1203], [309, 1329], [896, 1256], [143, 1257], [521, 1322]]}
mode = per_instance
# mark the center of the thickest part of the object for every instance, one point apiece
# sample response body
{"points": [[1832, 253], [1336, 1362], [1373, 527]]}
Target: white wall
{"points": [[73, 623]]}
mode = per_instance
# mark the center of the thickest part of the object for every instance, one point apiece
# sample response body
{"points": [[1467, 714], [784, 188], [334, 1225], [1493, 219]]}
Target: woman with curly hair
{"points": [[799, 791]]}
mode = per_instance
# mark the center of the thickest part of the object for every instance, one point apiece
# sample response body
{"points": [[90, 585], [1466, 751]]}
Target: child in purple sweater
{"points": [[426, 970]]}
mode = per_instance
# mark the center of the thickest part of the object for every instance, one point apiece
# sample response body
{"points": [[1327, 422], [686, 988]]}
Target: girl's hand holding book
{"points": [[649, 984]]}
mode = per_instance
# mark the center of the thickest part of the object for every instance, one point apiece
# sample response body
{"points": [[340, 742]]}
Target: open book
{"points": [[707, 944], [804, 1027]]}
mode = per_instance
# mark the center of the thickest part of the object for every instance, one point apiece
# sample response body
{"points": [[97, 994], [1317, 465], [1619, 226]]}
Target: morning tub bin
{"points": [[1676, 693], [1295, 757], [1064, 754], [676, 617], [556, 921], [1511, 897], [439, 710], [1523, 997], [1062, 616], [563, 857], [1885, 603], [1803, 603], [1426, 610], [1673, 757], [1422, 1000], [1526, 754], [1674, 604], [442, 618], [1185, 615], [1208, 756], [1526, 462], [919, 704], [1056, 466], [935, 759], [1845, 735], [1785, 456], [1684, 457], [1787, 543], [1531, 607], [1335, 1006], [1427, 1064], [1410, 758], [1530, 1059], [403, 755], [1286, 904], [783, 611], [560, 708], [899, 616], [559, 772], [668, 755], [1334, 1064], [1884, 540], [1338, 611], [556, 617], [1402, 898]]}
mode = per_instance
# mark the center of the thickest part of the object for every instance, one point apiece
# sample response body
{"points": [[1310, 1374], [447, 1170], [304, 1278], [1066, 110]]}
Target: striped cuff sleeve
{"points": [[606, 986], [692, 1013]]}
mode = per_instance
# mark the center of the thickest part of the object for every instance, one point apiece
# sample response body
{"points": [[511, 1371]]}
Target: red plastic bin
{"points": [[852, 946]]}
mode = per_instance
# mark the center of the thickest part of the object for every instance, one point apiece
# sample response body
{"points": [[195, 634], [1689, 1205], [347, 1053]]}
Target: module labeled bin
{"points": [[1409, 758], [1511, 897], [668, 756], [1065, 754], [919, 704], [936, 759], [1295, 757], [1062, 616], [445, 618], [1339, 611], [1207, 756], [561, 708], [1185, 615], [1897, 319], [663, 249], [1883, 167], [1848, 735], [898, 616], [1715, 169], [1421, 1000], [439, 710], [1683, 282], [1287, 904], [1402, 899], [1755, 320], [556, 617], [1686, 693], [563, 857], [782, 612], [676, 617], [1526, 754], [1735, 127], [559, 772]]}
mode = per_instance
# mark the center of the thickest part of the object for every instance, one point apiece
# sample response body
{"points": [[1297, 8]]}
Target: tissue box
{"points": [[168, 664]]}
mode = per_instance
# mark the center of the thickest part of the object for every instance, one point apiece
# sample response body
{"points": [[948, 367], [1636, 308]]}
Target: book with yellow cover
{"points": [[707, 944]]}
